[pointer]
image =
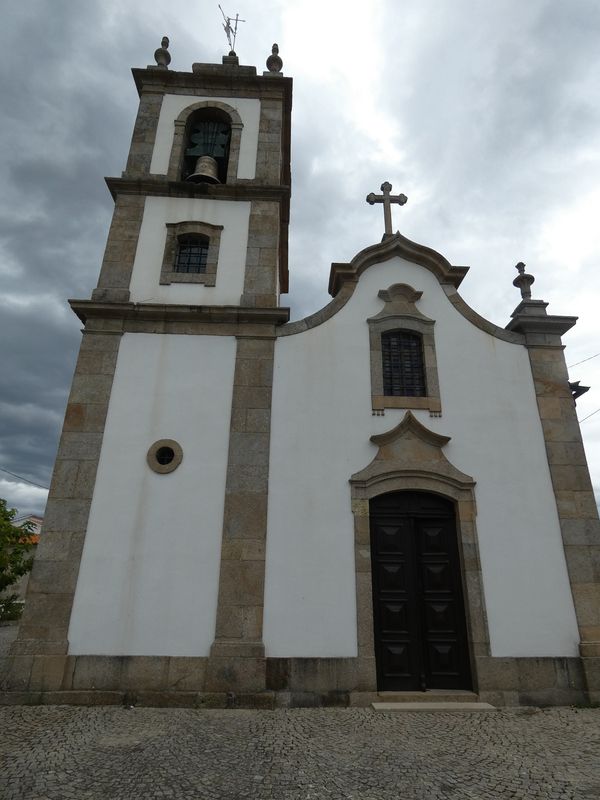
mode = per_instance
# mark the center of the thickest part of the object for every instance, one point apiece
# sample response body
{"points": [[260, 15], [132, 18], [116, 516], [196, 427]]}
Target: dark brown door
{"points": [[419, 616]]}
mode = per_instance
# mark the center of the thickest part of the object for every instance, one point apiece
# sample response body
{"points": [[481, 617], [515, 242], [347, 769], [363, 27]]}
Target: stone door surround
{"points": [[410, 457]]}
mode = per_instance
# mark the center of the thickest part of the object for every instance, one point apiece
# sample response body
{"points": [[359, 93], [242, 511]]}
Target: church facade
{"points": [[388, 496]]}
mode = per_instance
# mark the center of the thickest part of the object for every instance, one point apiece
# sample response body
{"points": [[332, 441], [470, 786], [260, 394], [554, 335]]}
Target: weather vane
{"points": [[231, 30]]}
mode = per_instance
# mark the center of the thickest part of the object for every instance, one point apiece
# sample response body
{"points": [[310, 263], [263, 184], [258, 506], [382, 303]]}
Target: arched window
{"points": [[402, 364], [206, 152], [189, 123], [192, 253]]}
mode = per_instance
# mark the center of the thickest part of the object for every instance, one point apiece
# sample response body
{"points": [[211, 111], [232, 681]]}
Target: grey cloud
{"points": [[65, 124]]}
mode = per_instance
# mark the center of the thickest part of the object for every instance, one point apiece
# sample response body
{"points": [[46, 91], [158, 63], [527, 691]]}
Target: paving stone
{"points": [[63, 752]]}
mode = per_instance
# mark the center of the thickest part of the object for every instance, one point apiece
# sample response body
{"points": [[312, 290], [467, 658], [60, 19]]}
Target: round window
{"points": [[165, 455]]}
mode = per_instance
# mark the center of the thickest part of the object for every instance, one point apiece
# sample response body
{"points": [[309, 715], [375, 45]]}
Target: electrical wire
{"points": [[589, 415], [589, 358], [21, 478]]}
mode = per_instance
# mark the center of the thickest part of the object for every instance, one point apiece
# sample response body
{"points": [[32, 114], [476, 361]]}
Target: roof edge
{"points": [[390, 246]]}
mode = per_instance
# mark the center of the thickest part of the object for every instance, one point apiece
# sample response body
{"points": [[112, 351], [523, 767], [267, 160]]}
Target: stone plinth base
{"points": [[231, 679]]}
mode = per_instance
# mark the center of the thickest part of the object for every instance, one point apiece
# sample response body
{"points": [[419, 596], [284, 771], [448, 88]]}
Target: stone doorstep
{"points": [[451, 707], [432, 700], [431, 696]]}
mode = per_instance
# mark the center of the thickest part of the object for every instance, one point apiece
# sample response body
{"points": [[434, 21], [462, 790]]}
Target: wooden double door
{"points": [[419, 614]]}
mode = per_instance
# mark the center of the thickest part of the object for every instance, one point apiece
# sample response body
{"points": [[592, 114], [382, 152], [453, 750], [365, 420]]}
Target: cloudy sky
{"points": [[484, 113]]}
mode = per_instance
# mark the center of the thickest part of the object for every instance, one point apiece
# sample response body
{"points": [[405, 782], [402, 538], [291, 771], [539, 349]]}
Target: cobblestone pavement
{"points": [[52, 752]]}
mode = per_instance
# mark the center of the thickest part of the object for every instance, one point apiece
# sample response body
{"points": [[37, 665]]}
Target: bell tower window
{"points": [[206, 153], [190, 123], [192, 253]]}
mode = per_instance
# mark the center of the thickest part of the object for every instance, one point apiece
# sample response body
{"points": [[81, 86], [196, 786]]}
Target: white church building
{"points": [[388, 496]]}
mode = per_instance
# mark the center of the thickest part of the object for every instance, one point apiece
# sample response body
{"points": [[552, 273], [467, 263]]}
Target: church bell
{"points": [[209, 142], [205, 171]]}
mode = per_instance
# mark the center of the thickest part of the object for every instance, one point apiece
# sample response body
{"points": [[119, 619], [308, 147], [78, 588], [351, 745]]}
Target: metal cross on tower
{"points": [[387, 199]]}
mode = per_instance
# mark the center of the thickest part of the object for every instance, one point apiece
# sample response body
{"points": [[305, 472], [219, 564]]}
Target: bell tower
{"points": [[154, 540], [210, 150]]}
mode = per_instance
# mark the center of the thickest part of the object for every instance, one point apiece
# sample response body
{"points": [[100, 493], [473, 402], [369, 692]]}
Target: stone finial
{"points": [[523, 281], [162, 55], [274, 62]]}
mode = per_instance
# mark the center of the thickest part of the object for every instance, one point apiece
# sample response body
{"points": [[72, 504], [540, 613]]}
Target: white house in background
{"points": [[34, 520], [390, 495]]}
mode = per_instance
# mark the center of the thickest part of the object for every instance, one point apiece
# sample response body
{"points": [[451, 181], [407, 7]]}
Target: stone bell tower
{"points": [[150, 574], [241, 181]]}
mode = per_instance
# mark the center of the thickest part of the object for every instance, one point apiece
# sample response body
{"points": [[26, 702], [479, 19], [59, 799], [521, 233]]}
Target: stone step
{"points": [[432, 696], [430, 706]]}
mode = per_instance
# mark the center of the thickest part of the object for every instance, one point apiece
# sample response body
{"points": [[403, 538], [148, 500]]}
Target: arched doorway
{"points": [[420, 630]]}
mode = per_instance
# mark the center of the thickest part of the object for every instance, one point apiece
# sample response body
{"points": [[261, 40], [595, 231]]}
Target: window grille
{"points": [[403, 372], [192, 254]]}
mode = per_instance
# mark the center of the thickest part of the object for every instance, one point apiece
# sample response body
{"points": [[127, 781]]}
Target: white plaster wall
{"points": [[174, 104], [149, 574], [321, 424], [233, 215]]}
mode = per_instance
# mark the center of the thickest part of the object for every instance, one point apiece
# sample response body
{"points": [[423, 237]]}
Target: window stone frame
{"points": [[155, 465], [401, 313], [174, 231]]}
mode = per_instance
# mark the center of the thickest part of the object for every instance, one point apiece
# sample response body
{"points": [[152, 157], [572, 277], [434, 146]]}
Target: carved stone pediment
{"points": [[411, 449], [400, 299]]}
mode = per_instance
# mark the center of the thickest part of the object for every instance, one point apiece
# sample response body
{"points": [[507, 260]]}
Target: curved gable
{"points": [[396, 245], [344, 277]]}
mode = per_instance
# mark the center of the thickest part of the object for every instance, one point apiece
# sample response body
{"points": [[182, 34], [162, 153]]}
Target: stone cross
{"points": [[387, 199]]}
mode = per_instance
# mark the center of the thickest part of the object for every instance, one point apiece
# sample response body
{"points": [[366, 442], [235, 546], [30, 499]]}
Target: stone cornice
{"points": [[552, 325], [344, 279], [391, 475], [530, 317], [321, 316], [396, 245], [229, 81], [347, 289], [480, 322], [162, 312], [159, 185]]}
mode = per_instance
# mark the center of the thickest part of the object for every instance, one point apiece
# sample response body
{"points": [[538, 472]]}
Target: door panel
{"points": [[396, 616], [419, 619]]}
